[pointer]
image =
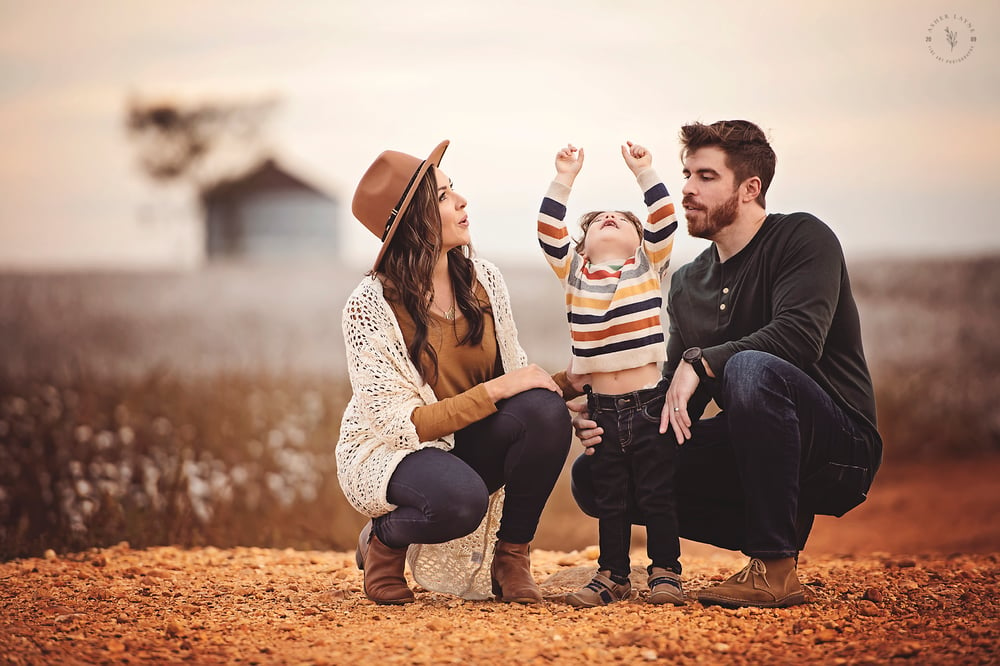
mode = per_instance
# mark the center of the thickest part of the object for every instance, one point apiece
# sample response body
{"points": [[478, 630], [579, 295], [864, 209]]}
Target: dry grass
{"points": [[203, 408]]}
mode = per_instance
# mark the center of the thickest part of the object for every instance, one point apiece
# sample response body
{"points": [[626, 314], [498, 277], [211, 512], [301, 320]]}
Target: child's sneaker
{"points": [[665, 587], [601, 590]]}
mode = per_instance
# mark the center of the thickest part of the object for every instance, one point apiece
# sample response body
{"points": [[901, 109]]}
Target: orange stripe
{"points": [[661, 213], [627, 327], [553, 231], [657, 257]]}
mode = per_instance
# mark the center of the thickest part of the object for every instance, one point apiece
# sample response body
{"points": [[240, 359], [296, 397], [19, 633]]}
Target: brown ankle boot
{"points": [[384, 582], [363, 539], [761, 583], [511, 572]]}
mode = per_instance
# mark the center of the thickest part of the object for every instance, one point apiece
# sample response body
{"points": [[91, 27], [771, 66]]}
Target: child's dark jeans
{"points": [[634, 460]]}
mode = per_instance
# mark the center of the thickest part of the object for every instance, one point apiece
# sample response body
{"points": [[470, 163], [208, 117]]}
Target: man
{"points": [[763, 322]]}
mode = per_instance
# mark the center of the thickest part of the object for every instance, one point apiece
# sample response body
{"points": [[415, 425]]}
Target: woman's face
{"points": [[454, 220]]}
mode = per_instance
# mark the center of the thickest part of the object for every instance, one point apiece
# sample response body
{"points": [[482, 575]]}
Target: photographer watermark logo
{"points": [[951, 38]]}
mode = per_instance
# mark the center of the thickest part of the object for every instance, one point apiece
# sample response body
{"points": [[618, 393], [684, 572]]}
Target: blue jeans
{"points": [[634, 461], [752, 477], [443, 495]]}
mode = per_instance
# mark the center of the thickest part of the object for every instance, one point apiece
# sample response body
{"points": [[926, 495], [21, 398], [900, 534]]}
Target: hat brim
{"points": [[434, 159]]}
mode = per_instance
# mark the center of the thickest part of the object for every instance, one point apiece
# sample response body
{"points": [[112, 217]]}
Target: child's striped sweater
{"points": [[613, 313]]}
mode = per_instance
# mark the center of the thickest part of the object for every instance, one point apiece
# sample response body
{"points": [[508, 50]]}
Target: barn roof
{"points": [[267, 176]]}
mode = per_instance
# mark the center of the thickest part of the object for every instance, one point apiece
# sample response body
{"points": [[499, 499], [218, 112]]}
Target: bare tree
{"points": [[203, 142]]}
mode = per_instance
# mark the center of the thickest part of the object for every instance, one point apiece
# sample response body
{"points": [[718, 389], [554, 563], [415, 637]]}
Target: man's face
{"points": [[711, 197]]}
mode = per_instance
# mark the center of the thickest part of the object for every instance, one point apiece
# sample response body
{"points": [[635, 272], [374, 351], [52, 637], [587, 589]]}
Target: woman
{"points": [[446, 411]]}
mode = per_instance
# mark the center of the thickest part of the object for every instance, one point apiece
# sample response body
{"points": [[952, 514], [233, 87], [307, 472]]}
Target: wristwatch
{"points": [[693, 356]]}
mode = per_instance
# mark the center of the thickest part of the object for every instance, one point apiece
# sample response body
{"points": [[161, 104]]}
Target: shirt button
{"points": [[725, 290], [722, 307]]}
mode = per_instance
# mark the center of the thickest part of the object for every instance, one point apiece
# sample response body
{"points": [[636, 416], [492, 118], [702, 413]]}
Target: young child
{"points": [[613, 300]]}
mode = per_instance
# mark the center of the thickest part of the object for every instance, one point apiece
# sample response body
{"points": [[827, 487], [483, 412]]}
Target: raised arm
{"points": [[553, 236], [658, 231]]}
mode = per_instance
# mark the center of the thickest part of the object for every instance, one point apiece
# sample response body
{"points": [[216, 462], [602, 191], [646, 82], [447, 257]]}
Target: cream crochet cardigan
{"points": [[376, 431]]}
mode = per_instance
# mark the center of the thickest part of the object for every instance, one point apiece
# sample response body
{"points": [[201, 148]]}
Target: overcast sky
{"points": [[876, 133]]}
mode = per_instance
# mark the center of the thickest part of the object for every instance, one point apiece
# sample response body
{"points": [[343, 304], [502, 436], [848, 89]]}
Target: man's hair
{"points": [[747, 151], [587, 219]]}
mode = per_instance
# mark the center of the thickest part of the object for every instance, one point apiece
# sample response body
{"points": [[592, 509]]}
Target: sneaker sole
{"points": [[579, 603], [661, 599]]}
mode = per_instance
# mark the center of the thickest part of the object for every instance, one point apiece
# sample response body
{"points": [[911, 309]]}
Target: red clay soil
{"points": [[886, 584]]}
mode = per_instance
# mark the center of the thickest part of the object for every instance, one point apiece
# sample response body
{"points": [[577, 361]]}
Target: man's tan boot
{"points": [[384, 582], [511, 572], [761, 583]]}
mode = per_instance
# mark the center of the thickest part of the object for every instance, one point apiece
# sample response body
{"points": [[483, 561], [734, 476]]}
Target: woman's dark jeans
{"points": [[752, 477], [634, 461], [443, 495]]}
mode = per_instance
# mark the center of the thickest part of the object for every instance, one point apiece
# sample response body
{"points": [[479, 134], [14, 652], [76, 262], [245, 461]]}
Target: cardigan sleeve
{"points": [[450, 415], [384, 391]]}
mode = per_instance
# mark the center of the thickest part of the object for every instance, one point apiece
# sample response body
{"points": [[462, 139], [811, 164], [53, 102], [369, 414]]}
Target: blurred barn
{"points": [[269, 213]]}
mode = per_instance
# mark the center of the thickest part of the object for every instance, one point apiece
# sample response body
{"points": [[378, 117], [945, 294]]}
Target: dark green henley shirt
{"points": [[786, 293]]}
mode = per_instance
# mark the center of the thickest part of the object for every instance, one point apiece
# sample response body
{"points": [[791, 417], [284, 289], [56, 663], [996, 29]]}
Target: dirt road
{"points": [[886, 585]]}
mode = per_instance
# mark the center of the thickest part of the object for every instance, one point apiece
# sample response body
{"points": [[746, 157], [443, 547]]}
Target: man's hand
{"points": [[587, 431], [675, 413], [636, 157], [569, 161]]}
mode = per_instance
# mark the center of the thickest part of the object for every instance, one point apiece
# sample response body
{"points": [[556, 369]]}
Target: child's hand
{"points": [[636, 157], [569, 161]]}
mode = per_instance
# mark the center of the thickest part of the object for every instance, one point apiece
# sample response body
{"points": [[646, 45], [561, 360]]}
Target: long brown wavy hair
{"points": [[408, 264]]}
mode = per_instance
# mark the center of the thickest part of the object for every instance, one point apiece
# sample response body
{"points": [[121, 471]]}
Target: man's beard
{"points": [[715, 219]]}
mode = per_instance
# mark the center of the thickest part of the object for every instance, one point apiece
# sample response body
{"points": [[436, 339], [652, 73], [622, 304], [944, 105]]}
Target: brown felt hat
{"points": [[386, 189]]}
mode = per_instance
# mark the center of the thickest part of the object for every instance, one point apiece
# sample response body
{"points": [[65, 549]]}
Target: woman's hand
{"points": [[636, 157], [569, 161], [588, 432], [519, 381]]}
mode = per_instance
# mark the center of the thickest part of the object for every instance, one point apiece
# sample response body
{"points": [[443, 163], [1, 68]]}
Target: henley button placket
{"points": [[722, 300]]}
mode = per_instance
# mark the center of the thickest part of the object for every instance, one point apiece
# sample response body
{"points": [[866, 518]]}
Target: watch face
{"points": [[692, 355]]}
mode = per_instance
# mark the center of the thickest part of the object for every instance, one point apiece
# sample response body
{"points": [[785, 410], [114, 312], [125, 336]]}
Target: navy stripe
{"points": [[657, 236], [625, 345], [655, 193], [553, 208], [553, 251], [653, 303]]}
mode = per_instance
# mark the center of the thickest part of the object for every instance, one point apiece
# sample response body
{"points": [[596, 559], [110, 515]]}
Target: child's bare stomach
{"points": [[625, 381]]}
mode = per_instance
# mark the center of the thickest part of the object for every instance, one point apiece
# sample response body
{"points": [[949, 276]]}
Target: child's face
{"points": [[610, 236]]}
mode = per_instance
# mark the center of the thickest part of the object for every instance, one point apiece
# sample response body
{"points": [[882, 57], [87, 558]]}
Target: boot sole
{"points": [[498, 595], [794, 599], [667, 599], [391, 602]]}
